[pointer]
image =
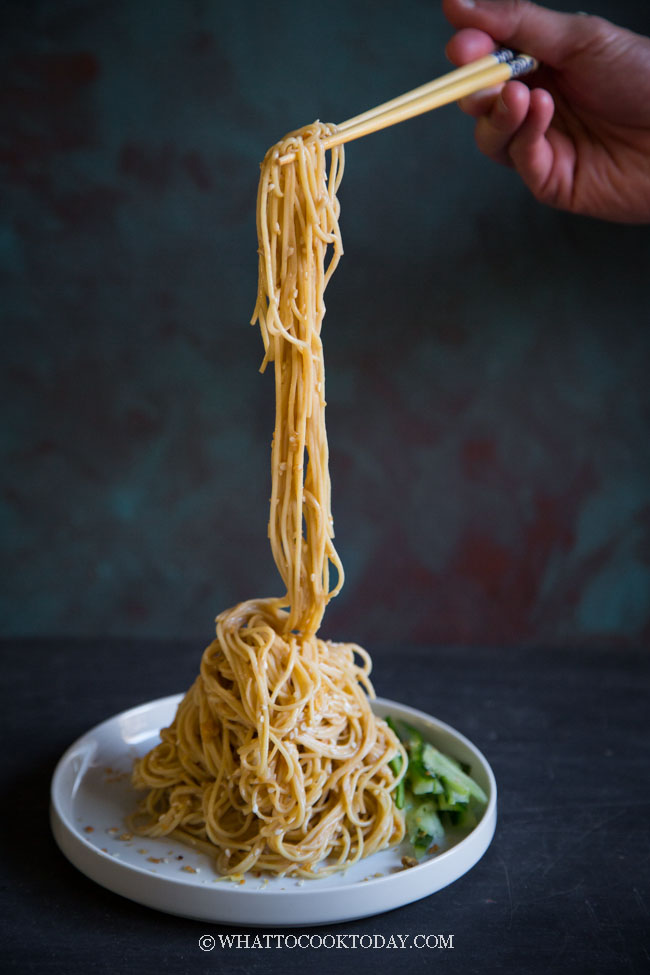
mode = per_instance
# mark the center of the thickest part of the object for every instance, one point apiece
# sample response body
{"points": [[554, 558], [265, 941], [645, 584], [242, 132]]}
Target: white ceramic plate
{"points": [[91, 796]]}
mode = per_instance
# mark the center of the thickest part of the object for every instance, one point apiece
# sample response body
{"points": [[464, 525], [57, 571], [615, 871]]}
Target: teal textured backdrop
{"points": [[487, 358]]}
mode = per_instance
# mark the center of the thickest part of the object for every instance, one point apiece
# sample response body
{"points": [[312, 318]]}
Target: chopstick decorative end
{"points": [[522, 64]]}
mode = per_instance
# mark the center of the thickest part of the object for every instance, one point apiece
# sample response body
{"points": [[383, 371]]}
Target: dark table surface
{"points": [[564, 887]]}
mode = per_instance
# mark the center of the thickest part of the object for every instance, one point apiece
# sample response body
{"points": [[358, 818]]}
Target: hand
{"points": [[579, 136]]}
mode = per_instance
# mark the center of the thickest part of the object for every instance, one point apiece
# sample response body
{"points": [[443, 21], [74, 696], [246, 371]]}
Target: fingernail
{"points": [[467, 3]]}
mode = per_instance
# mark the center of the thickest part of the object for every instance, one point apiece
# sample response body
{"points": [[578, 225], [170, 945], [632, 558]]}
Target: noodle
{"points": [[275, 760]]}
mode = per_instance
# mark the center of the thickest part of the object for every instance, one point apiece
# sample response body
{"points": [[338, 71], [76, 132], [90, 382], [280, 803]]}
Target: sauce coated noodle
{"points": [[275, 761]]}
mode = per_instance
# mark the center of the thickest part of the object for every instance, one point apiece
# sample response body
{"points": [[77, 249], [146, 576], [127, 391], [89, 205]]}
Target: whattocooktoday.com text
{"points": [[209, 942]]}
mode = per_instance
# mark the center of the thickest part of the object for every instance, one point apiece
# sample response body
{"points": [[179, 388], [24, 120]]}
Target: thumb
{"points": [[546, 34]]}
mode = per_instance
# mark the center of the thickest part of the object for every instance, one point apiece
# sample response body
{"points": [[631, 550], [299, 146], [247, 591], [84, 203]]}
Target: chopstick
{"points": [[474, 67], [491, 70]]}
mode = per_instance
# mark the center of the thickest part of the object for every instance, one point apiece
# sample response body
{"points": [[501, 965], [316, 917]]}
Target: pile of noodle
{"points": [[275, 761]]}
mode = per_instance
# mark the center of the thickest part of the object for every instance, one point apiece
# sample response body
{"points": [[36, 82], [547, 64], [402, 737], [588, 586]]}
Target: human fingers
{"points": [[468, 45], [496, 128], [481, 102], [544, 160], [547, 34]]}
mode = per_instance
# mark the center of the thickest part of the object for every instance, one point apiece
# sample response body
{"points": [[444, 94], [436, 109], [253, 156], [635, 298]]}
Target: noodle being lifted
{"points": [[275, 760]]}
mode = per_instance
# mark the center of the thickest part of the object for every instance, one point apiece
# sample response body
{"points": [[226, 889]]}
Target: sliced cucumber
{"points": [[423, 824], [451, 774], [436, 790]]}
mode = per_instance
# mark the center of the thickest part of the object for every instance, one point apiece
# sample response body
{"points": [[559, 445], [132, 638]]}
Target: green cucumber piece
{"points": [[410, 738], [453, 777], [400, 794], [421, 781], [423, 824]]}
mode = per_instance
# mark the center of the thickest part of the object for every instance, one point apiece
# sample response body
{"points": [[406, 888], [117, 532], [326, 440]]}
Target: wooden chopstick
{"points": [[449, 88]]}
